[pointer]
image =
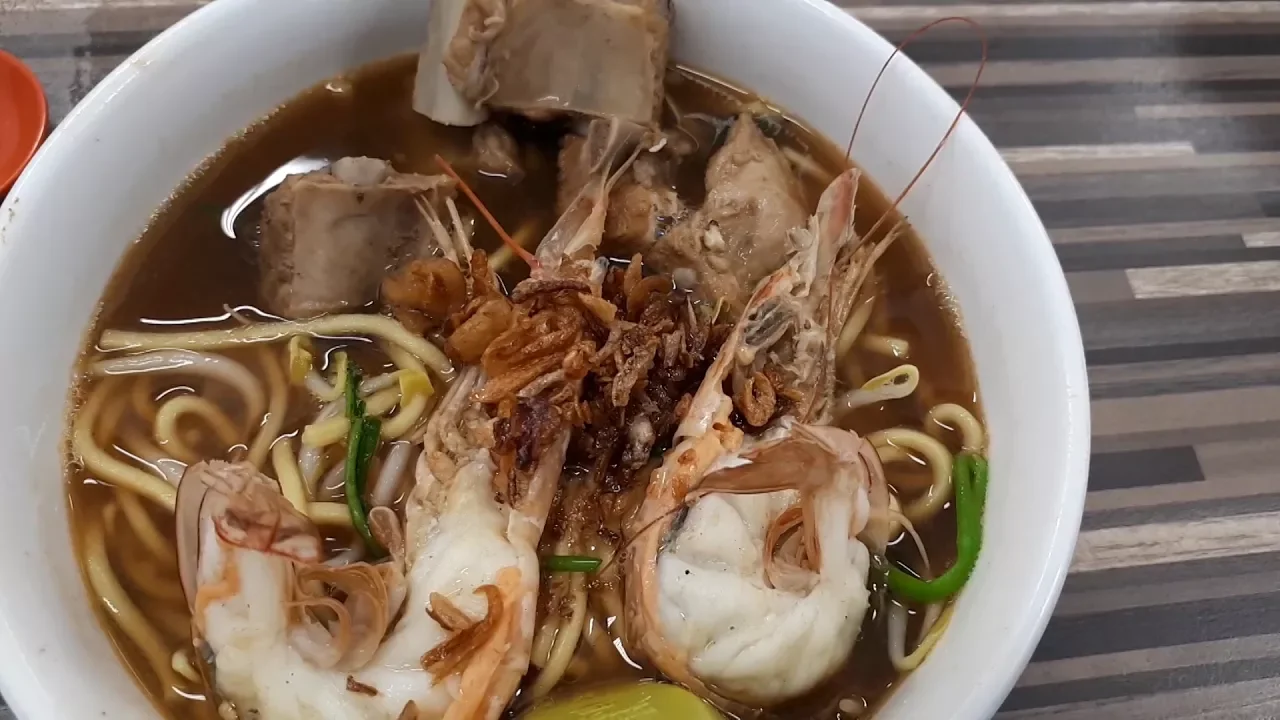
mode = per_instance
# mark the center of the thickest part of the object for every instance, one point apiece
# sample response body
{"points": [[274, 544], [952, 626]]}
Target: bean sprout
{"points": [[331, 488], [543, 641], [566, 640], [311, 459], [893, 385], [182, 666], [893, 347], [353, 554], [387, 484], [333, 325], [897, 629], [371, 385], [805, 164], [854, 326]]}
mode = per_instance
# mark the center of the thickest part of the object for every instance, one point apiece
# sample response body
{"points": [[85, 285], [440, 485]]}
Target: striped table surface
{"points": [[1148, 136]]}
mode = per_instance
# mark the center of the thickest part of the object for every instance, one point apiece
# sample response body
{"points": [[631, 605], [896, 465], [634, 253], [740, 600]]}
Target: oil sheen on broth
{"points": [[187, 270]]}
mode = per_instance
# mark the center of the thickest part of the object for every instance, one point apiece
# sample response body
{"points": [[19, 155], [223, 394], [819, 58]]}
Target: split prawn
{"points": [[747, 579], [443, 629], [722, 595]]}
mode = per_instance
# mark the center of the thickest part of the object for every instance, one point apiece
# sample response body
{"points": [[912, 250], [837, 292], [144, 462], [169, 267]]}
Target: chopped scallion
{"points": [[969, 478], [362, 443], [570, 563]]}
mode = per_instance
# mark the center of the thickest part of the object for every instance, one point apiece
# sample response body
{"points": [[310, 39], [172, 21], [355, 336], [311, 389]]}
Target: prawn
{"points": [[722, 596], [444, 628], [749, 559]]}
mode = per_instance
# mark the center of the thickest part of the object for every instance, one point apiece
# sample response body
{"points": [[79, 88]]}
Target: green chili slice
{"points": [[570, 563], [362, 443], [969, 478]]}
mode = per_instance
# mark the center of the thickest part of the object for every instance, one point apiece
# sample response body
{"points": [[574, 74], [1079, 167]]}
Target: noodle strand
{"points": [[189, 362], [117, 604], [107, 468], [950, 416], [277, 406], [893, 444], [330, 326], [166, 427], [289, 475], [143, 528]]}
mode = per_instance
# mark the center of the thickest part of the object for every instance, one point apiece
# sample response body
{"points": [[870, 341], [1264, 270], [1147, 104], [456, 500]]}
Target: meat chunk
{"points": [[584, 149], [643, 206], [574, 165], [738, 236], [754, 199], [467, 59], [329, 236], [452, 67], [496, 152], [604, 58], [601, 58]]}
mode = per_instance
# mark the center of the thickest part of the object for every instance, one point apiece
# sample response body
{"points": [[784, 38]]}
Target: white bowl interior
{"points": [[111, 164]]}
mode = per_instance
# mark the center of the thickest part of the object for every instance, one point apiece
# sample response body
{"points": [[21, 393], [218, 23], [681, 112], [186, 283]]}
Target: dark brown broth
{"points": [[185, 270]]}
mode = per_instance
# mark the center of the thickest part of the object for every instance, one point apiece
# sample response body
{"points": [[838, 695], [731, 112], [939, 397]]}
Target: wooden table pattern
{"points": [[1148, 136]]}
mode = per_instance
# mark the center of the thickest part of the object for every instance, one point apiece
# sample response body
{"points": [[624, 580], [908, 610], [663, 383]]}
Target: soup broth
{"points": [[196, 267]]}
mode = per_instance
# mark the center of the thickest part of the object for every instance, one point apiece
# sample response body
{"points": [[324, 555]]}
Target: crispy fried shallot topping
{"points": [[447, 657], [485, 316], [356, 686], [446, 614], [467, 304], [756, 399], [644, 374], [617, 358], [425, 293]]}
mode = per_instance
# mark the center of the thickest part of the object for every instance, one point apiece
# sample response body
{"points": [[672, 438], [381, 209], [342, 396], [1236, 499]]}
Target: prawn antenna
{"points": [[523, 254], [626, 544], [964, 106]]}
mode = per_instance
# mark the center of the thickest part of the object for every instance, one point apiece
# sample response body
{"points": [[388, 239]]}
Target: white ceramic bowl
{"points": [[112, 163]]}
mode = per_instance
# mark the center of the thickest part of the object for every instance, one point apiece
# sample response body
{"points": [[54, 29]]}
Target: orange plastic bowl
{"points": [[24, 113]]}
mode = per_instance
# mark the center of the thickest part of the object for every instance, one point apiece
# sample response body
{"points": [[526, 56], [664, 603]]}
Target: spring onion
{"points": [[570, 563], [362, 443], [970, 483]]}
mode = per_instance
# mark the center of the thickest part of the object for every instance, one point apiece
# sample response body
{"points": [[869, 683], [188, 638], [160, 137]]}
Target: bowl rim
{"points": [[1029, 624], [24, 692]]}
